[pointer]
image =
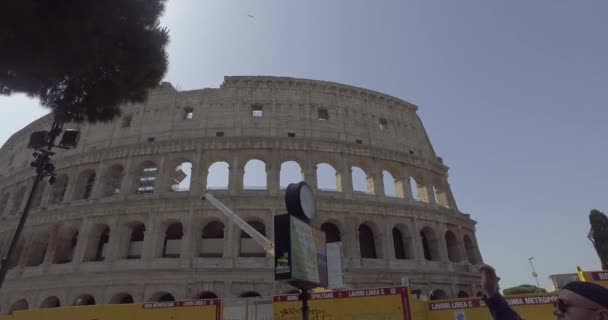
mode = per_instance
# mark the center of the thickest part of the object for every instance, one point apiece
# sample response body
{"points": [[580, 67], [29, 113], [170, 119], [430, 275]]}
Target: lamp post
{"points": [[42, 142], [534, 274]]}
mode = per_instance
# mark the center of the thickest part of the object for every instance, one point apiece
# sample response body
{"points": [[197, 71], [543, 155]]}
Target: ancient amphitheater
{"points": [[117, 226]]}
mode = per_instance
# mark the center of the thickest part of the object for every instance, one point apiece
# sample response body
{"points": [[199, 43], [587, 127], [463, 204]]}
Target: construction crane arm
{"points": [[242, 224]]}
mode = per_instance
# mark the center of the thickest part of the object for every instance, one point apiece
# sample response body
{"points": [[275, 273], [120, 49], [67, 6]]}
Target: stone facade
{"points": [[115, 227]]}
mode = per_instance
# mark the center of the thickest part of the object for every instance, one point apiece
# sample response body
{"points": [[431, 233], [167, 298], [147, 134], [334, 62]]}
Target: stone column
{"points": [[378, 182], [407, 187], [389, 247], [198, 176], [72, 181], [351, 235], [192, 232], [416, 240], [235, 183], [100, 181], [116, 237], [346, 180], [50, 249], [443, 248], [161, 184], [128, 183], [309, 171], [83, 238], [151, 238], [428, 182], [461, 248], [273, 176], [229, 252]]}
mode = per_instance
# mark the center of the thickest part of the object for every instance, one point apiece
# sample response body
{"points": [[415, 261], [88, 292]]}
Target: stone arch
{"points": [[181, 178], [84, 184], [4, 202], [255, 176], [67, 237], [84, 300], [462, 294], [173, 240], [362, 181], [471, 250], [18, 199], [146, 177], [122, 298], [249, 294], [59, 189], [332, 232], [136, 237], [394, 169], [441, 190], [291, 172], [453, 246], [212, 240], [248, 246], [19, 305], [430, 244], [162, 296], [97, 243], [328, 178], [439, 294], [402, 243], [206, 295], [38, 247], [218, 176], [112, 181], [390, 184], [367, 242], [50, 302], [419, 188]]}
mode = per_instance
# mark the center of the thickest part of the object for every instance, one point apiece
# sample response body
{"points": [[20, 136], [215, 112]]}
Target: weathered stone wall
{"points": [[359, 128]]}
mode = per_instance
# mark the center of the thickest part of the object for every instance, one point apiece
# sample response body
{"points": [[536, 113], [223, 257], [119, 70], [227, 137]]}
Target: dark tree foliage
{"points": [[522, 289], [599, 235], [82, 58]]}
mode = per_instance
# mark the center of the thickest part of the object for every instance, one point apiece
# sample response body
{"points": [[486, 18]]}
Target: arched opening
{"points": [[291, 172], [113, 183], [19, 305], [84, 185], [388, 180], [250, 294], [136, 240], [430, 245], [367, 243], [462, 294], [453, 247], [212, 242], [361, 181], [414, 189], [146, 177], [66, 243], [84, 300], [4, 202], [173, 241], [399, 244], [439, 295], [162, 297], [206, 295], [18, 200], [218, 176], [38, 247], [327, 178], [97, 243], [37, 199], [479, 294], [58, 190], [471, 250], [182, 177], [50, 302], [122, 298], [441, 194], [249, 247], [254, 177], [332, 233]]}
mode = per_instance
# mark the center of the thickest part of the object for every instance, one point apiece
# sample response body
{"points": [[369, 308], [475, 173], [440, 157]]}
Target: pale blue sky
{"points": [[512, 94]]}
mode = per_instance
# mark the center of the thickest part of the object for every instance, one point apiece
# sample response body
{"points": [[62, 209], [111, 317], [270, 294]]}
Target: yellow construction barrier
{"points": [[599, 277]]}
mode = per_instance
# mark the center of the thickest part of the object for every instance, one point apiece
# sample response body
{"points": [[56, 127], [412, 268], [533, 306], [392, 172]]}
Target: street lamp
{"points": [[42, 142], [534, 274]]}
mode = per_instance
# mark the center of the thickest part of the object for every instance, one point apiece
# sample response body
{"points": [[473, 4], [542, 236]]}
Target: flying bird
{"points": [[251, 16]]}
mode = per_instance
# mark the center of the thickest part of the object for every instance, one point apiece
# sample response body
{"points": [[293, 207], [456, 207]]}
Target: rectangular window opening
{"points": [[359, 141], [323, 114], [126, 121], [257, 111], [383, 124], [291, 134], [219, 134], [188, 113]]}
